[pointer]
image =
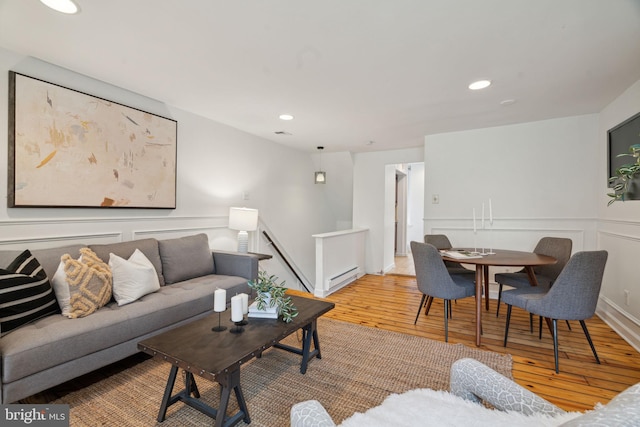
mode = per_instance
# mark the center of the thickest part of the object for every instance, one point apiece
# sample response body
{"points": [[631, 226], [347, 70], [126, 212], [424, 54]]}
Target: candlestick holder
{"points": [[490, 239], [475, 242], [219, 328], [238, 329]]}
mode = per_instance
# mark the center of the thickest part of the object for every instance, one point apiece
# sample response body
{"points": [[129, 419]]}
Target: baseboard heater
{"points": [[343, 279]]}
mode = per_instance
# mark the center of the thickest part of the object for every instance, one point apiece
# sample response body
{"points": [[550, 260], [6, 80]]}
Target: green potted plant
{"points": [[625, 175], [269, 293]]}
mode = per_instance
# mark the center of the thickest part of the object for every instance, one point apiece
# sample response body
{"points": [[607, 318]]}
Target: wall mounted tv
{"points": [[620, 138]]}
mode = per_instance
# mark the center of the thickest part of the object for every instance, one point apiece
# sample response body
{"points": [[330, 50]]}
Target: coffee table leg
{"points": [[310, 332], [190, 385], [167, 393], [316, 341], [229, 382]]}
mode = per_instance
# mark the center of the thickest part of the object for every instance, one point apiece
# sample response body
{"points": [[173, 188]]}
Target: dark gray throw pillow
{"points": [[185, 258], [25, 293]]}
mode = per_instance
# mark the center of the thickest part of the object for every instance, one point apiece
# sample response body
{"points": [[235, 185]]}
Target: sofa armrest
{"points": [[477, 382], [236, 264], [310, 414]]}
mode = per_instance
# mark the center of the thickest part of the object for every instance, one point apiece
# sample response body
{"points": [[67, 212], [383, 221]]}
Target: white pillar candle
{"points": [[482, 222], [236, 308], [490, 213], [245, 303], [219, 300], [474, 220]]}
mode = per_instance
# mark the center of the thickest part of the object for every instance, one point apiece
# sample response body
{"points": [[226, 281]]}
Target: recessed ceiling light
{"points": [[480, 84], [64, 6], [286, 117]]}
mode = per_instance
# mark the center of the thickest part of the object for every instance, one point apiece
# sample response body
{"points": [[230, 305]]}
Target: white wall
{"points": [[216, 164], [372, 184], [544, 178], [619, 232], [539, 176]]}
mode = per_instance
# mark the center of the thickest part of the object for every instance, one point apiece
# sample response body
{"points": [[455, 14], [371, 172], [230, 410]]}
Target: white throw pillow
{"points": [[61, 289], [132, 278]]}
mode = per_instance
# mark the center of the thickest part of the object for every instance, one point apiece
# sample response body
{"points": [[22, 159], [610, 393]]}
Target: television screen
{"points": [[620, 138]]}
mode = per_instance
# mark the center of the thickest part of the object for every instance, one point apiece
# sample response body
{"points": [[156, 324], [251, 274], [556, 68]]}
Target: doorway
{"points": [[408, 205]]}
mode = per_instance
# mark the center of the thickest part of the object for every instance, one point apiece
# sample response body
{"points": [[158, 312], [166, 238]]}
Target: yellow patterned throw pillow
{"points": [[90, 283]]}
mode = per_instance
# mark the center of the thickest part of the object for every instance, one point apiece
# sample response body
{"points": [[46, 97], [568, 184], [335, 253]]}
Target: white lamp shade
{"points": [[243, 219]]}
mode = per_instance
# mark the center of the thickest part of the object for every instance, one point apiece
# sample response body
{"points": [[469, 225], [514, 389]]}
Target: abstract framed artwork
{"points": [[71, 149]]}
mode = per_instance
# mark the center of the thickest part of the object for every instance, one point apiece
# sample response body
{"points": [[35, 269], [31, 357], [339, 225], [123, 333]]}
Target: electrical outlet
{"points": [[626, 296], [245, 195], [435, 199]]}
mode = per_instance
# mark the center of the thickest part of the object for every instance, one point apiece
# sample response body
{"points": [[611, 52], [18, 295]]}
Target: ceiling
{"points": [[358, 75]]}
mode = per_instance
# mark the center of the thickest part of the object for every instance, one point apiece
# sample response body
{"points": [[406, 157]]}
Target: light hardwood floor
{"points": [[391, 301]]}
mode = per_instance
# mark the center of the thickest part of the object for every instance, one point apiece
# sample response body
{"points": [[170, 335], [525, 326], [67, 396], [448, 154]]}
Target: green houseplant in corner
{"points": [[624, 177], [269, 293]]}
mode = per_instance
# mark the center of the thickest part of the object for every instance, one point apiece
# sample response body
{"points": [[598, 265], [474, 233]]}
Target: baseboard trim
{"points": [[624, 325]]}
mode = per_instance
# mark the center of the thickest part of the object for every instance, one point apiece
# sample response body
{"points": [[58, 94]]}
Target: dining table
{"points": [[496, 258]]}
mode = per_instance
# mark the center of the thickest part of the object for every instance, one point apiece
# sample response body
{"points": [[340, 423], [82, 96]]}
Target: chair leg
{"points": [[555, 342], [450, 309], [499, 299], [429, 301], [420, 308], [506, 328], [530, 323], [446, 320], [540, 326], [586, 333], [568, 324]]}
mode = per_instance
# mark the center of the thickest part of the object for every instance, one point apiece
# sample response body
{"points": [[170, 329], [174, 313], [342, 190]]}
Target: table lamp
{"points": [[243, 220]]}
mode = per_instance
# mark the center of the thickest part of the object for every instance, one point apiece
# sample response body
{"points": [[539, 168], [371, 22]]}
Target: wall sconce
{"points": [[243, 220], [320, 176]]}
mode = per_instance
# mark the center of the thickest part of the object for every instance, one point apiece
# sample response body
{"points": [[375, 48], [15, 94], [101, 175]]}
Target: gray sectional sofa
{"points": [[55, 349]]}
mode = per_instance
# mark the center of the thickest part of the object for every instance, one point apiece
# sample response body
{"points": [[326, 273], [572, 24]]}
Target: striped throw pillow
{"points": [[25, 293]]}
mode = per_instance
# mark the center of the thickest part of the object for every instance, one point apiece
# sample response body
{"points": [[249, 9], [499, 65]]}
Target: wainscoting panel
{"points": [[44, 233], [619, 304]]}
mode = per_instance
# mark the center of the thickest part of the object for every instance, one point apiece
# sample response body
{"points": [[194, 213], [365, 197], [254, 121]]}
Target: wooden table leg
{"points": [[531, 275], [478, 303]]}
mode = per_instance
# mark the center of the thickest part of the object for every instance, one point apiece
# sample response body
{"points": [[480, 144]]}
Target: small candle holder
{"points": [[238, 329], [219, 328]]}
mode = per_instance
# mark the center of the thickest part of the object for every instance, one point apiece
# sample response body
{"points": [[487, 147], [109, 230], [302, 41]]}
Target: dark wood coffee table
{"points": [[217, 356]]}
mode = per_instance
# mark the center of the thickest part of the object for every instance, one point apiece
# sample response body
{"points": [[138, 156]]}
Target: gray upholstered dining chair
{"points": [[557, 247], [442, 242], [435, 281], [573, 296]]}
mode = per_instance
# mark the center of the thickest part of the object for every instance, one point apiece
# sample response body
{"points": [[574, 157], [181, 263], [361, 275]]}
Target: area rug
{"points": [[360, 367]]}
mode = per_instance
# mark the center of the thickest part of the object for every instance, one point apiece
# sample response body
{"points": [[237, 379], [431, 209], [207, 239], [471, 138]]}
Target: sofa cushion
{"points": [[149, 247], [54, 340], [90, 283], [25, 293], [48, 258], [185, 258], [132, 278]]}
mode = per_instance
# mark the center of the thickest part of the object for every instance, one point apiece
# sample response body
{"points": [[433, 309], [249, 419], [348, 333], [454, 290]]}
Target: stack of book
{"points": [[266, 313], [461, 254]]}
